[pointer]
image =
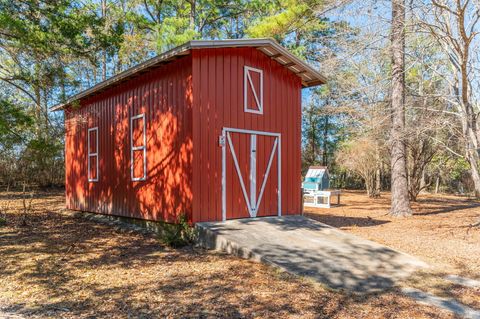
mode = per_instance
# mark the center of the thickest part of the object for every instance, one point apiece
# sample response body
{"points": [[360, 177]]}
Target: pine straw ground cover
{"points": [[60, 266], [440, 232]]}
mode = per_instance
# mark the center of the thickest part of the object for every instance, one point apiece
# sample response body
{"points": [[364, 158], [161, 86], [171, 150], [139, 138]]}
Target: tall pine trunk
{"points": [[400, 201], [325, 141], [192, 14], [104, 53], [378, 171]]}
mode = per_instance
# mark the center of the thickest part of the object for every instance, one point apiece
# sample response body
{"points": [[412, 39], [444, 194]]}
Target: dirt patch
{"points": [[63, 266], [439, 232]]}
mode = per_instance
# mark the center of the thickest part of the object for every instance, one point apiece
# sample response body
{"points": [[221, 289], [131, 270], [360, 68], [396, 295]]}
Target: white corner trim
{"points": [[94, 154], [258, 96], [143, 148]]}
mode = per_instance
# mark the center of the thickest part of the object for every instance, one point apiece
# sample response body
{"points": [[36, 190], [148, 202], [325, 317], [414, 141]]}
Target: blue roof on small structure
{"points": [[316, 175]]}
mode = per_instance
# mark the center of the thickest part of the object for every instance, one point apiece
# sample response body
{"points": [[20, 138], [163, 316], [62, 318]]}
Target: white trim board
{"points": [[268, 46], [133, 149], [95, 154], [252, 202], [248, 83]]}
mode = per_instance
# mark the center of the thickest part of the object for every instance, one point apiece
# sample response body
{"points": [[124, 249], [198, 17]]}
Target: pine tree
{"points": [[400, 199]]}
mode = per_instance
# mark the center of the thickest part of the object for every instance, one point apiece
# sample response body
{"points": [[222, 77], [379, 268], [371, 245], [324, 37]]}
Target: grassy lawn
{"points": [[62, 266]]}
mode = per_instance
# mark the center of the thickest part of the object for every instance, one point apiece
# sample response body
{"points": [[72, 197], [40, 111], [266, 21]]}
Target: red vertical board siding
{"points": [[164, 95], [187, 103], [217, 87]]}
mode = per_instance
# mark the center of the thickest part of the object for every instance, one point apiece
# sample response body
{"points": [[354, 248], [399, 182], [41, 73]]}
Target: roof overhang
{"points": [[310, 77]]}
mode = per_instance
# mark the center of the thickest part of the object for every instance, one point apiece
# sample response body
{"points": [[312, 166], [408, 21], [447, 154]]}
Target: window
{"points": [[252, 90], [138, 143], [92, 154]]}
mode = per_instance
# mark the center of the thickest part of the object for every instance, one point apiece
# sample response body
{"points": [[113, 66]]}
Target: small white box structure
{"points": [[315, 185], [320, 199]]}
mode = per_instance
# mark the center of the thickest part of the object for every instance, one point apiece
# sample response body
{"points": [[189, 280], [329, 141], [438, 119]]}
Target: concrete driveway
{"points": [[309, 248]]}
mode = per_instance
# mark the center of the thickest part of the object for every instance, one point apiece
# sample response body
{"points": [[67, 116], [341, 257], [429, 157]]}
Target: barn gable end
{"points": [[218, 104]]}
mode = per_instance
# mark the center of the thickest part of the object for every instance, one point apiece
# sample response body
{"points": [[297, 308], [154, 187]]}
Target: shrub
{"points": [[179, 234]]}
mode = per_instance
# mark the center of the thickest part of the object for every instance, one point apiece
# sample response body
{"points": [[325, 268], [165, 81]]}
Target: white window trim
{"points": [[92, 154], [138, 148], [247, 81]]}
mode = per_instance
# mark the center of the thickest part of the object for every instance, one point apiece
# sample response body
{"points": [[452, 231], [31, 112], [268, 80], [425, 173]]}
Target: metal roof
{"points": [[310, 76]]}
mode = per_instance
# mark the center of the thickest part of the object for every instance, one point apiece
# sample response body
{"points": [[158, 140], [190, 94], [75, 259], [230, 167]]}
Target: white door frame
{"points": [[227, 142]]}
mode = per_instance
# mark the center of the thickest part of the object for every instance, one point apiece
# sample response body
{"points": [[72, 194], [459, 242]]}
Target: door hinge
{"points": [[221, 140]]}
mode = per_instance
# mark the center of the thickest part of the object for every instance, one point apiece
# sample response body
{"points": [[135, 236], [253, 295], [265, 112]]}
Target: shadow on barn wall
{"points": [[166, 102]]}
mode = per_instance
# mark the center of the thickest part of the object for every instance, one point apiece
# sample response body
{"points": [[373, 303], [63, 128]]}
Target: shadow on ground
{"points": [[345, 221], [308, 248], [74, 268], [435, 206], [69, 267]]}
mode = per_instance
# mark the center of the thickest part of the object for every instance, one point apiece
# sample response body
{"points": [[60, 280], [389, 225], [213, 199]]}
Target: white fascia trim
{"points": [[133, 148]]}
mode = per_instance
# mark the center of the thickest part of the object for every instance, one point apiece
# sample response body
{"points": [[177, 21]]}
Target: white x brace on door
{"points": [[253, 201]]}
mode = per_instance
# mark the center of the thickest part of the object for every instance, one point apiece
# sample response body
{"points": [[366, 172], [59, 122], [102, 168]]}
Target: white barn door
{"points": [[251, 172]]}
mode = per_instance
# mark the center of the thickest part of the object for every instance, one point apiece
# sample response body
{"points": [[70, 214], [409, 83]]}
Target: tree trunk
{"points": [[325, 142], [400, 201], [192, 14], [470, 129], [38, 111], [368, 188], [472, 157], [38, 99], [469, 123], [423, 181], [378, 181], [104, 53], [46, 111]]}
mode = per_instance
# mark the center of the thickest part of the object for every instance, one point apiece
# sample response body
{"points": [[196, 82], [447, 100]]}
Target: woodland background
{"points": [[51, 49]]}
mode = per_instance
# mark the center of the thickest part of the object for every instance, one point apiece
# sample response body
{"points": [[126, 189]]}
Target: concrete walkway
{"points": [[448, 304], [309, 248]]}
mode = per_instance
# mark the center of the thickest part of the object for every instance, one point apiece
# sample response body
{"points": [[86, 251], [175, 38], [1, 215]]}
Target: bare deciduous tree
{"points": [[359, 156], [454, 24]]}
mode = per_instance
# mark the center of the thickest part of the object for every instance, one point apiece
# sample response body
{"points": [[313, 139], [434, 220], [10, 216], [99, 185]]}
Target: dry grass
{"points": [[439, 232], [62, 266]]}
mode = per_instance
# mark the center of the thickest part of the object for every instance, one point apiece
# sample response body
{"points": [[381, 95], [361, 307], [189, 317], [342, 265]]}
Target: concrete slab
{"points": [[309, 248], [466, 282], [443, 303]]}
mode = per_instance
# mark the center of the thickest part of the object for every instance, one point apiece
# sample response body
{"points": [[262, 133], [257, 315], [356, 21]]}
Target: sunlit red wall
{"points": [[187, 103], [165, 96], [217, 103]]}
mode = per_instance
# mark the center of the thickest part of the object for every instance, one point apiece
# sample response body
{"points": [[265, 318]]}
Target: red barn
{"points": [[210, 129]]}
